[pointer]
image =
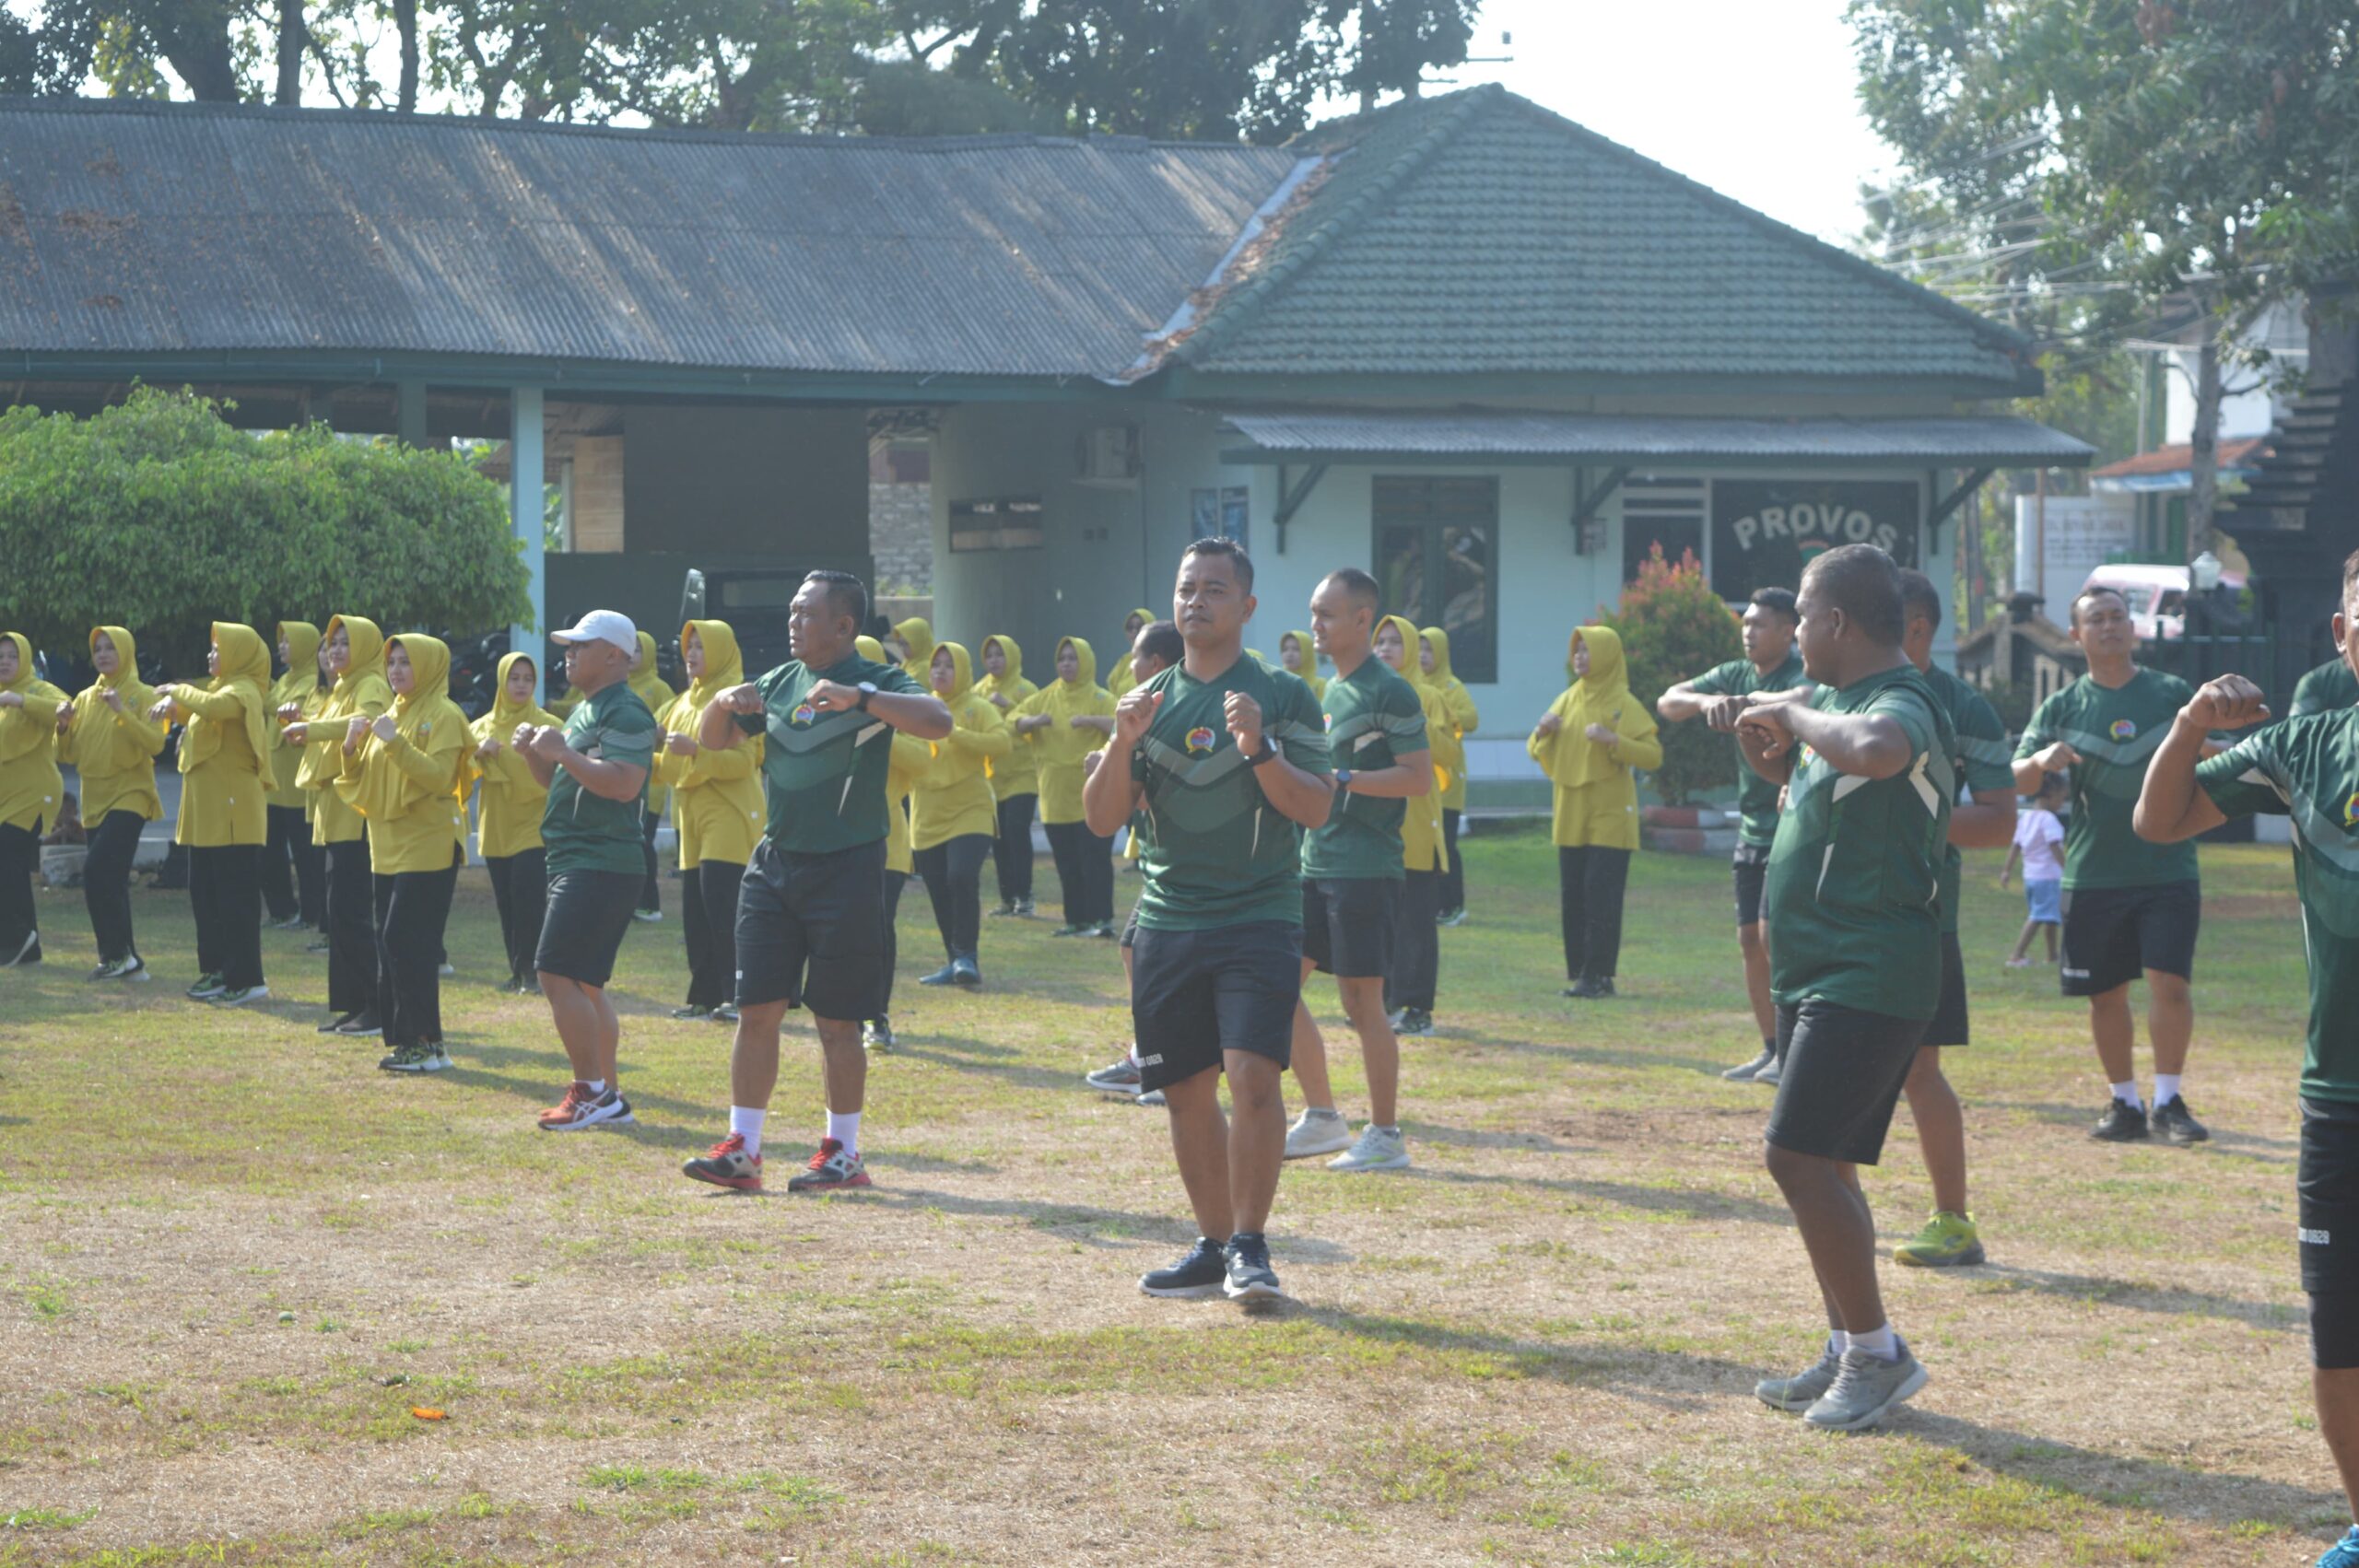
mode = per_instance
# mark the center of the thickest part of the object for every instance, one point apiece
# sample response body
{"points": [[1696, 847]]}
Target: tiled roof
{"points": [[1976, 441], [2177, 457]]}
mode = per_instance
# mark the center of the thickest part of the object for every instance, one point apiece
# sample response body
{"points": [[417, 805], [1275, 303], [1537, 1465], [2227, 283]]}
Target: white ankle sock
{"points": [[746, 1123], [2128, 1095], [845, 1130], [2166, 1088], [595, 1085], [1881, 1342]]}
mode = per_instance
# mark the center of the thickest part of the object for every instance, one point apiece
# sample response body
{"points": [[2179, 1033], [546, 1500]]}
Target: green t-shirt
{"points": [[1372, 717], [1983, 762], [1216, 852], [2116, 732], [2309, 768], [1853, 889], [1757, 798], [824, 773], [2324, 689], [590, 832]]}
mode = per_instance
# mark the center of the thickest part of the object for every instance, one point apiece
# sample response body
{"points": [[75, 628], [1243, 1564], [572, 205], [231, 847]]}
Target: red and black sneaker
{"points": [[582, 1107], [726, 1163], [832, 1168]]}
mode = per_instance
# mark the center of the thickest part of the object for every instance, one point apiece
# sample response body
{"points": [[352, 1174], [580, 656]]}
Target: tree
{"points": [[1673, 627]]}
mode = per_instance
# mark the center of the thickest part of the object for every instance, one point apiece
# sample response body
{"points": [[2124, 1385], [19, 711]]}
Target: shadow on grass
{"points": [[986, 1059], [1589, 1056], [1474, 1137], [1694, 1202], [2138, 1297], [1091, 1225]]}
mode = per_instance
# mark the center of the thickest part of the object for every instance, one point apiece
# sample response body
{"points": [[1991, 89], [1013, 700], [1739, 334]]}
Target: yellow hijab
{"points": [[501, 721], [243, 671], [917, 632], [366, 664], [1601, 697], [869, 648], [28, 682], [724, 666], [1012, 686], [427, 719], [302, 677], [138, 695], [645, 680], [1409, 670]]}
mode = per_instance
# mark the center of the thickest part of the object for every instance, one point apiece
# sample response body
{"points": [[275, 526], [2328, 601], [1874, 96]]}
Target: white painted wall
{"points": [[2282, 332]]}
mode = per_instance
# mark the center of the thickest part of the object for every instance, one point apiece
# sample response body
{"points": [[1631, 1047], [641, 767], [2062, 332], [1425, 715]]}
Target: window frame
{"points": [[1482, 658]]}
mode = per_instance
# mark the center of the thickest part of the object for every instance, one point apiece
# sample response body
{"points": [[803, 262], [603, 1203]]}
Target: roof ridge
{"points": [[1237, 305]]}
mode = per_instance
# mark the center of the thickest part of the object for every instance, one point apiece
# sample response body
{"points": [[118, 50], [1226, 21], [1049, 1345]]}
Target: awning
{"points": [[1323, 435]]}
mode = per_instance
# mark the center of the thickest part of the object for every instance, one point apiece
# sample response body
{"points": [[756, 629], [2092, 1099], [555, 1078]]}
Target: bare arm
{"points": [[1109, 793], [2031, 769], [1871, 746], [1300, 796], [1681, 702], [2171, 806], [1987, 823]]}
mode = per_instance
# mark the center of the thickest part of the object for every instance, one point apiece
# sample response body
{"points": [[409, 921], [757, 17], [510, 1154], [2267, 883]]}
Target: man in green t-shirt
{"points": [[1854, 895], [2129, 908], [811, 907], [1353, 872], [1718, 696], [1227, 759], [2307, 768], [2324, 689], [594, 768]]}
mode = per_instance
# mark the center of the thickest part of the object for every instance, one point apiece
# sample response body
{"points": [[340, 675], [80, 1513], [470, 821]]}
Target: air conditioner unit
{"points": [[1109, 453]]}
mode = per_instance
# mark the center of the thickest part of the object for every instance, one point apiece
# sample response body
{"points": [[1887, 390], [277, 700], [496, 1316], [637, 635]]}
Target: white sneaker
{"points": [[1379, 1149], [240, 995], [1318, 1132], [1770, 1075]]}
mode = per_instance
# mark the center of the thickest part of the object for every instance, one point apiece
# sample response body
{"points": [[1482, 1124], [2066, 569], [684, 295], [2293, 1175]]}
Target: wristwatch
{"points": [[1342, 780], [1269, 749], [867, 690]]}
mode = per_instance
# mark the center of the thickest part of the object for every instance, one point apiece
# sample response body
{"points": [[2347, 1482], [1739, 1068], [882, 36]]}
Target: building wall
{"points": [[900, 532], [791, 481], [2282, 331]]}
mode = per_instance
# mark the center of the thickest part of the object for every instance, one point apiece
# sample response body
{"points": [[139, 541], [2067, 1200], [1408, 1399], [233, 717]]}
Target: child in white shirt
{"points": [[2039, 847]]}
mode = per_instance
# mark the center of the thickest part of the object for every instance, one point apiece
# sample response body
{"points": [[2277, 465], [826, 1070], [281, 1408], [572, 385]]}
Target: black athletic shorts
{"points": [[2113, 934], [811, 931], [1348, 925], [1751, 869], [1843, 1076], [1948, 1026], [587, 916], [1130, 928], [1195, 994]]}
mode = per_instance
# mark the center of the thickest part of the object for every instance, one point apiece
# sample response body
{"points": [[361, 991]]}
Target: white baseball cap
{"points": [[603, 625]]}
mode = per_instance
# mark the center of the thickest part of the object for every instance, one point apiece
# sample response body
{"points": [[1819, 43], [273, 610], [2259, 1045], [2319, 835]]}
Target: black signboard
{"points": [[1766, 531]]}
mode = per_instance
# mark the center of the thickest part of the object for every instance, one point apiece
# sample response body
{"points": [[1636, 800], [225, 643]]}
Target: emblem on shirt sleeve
{"points": [[2351, 811], [1199, 739]]}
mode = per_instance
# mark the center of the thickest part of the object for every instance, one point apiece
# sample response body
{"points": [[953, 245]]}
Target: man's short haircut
{"points": [[1358, 587], [1160, 640], [1781, 599], [1919, 597], [846, 594], [2351, 577], [1862, 581], [1239, 562]]}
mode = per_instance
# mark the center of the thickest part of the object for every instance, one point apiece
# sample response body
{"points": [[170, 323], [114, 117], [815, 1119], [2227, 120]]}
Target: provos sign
{"points": [[1766, 531]]}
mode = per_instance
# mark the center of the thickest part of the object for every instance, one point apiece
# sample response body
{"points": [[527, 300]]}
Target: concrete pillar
{"points": [[409, 413], [525, 512]]}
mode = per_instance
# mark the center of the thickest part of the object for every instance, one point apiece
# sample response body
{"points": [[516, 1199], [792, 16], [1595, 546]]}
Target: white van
{"points": [[2156, 595]]}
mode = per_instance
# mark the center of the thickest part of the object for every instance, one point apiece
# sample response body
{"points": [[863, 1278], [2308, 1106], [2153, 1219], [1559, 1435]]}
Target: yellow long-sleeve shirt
{"points": [[953, 797], [224, 799]]}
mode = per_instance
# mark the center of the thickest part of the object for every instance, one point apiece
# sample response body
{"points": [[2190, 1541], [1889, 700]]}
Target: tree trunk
{"points": [[290, 53], [406, 23], [2203, 447], [197, 48]]}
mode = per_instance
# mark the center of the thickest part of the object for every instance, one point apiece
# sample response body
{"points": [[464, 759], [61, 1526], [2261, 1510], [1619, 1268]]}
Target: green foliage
{"points": [[158, 515], [1674, 627]]}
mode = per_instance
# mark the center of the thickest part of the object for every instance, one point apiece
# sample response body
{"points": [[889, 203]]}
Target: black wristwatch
{"points": [[1269, 749], [867, 690], [1342, 780]]}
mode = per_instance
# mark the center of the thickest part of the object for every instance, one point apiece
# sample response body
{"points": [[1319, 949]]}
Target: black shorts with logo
{"points": [[1195, 994], [1843, 1076], [2328, 1228], [587, 914], [1347, 924], [1751, 869], [811, 931], [2113, 934], [1948, 1027]]}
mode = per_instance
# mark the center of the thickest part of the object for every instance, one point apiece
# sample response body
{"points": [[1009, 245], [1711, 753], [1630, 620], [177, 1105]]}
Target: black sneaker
{"points": [[965, 974], [945, 976], [1199, 1271], [1250, 1277], [2122, 1123], [367, 1025], [335, 1025], [2176, 1123], [691, 1013], [1591, 987]]}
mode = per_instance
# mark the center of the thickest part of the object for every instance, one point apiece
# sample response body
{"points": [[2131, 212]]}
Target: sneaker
{"points": [[335, 1025], [294, 922], [1119, 1076], [1070, 929], [206, 987], [831, 1168], [242, 995], [1250, 1277], [698, 1013], [876, 1035], [1377, 1150], [1024, 909], [1866, 1386], [2344, 1553], [1413, 1021], [581, 1108], [946, 974], [1006, 907], [966, 974], [1591, 987], [1316, 1131], [2122, 1123], [322, 945], [1744, 1072], [726, 1163], [1451, 917], [2176, 1123], [1197, 1273], [365, 1025], [1771, 1075], [2018, 963], [647, 917], [726, 1014], [1105, 928], [1948, 1241], [1152, 1097], [1802, 1390], [446, 969], [30, 952], [129, 968], [415, 1059]]}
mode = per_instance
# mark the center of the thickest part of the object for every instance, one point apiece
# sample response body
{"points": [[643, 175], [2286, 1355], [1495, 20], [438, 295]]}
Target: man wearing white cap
{"points": [[594, 770]]}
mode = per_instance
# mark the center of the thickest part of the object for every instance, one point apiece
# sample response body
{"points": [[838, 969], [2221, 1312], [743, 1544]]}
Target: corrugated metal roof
{"points": [[156, 228], [2005, 440]]}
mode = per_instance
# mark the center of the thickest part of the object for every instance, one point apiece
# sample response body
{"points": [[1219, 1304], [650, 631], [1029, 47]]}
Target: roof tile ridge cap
{"points": [[1914, 293], [1240, 304]]}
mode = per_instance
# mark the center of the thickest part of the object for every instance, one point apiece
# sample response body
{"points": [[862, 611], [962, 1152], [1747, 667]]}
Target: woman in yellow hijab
{"points": [[405, 771], [1460, 719], [717, 809], [1066, 720], [225, 788], [1015, 777], [113, 744], [915, 636], [509, 801], [291, 865], [1298, 656], [1121, 678], [658, 695], [1587, 744], [911, 758], [31, 790], [355, 653], [953, 816], [1416, 970]]}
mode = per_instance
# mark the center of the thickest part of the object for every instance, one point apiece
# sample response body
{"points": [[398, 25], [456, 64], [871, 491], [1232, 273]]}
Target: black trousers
{"points": [[954, 880], [1084, 871], [520, 886], [412, 908], [106, 883], [290, 866], [650, 893], [20, 861], [708, 910], [1417, 945], [225, 894], [894, 882], [352, 929], [1453, 880], [1012, 850], [1589, 882]]}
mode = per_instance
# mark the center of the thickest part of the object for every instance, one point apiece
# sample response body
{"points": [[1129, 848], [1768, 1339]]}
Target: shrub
{"points": [[1674, 627]]}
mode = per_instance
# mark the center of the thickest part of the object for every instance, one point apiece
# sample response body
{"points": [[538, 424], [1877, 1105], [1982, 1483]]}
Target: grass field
{"points": [[234, 1257]]}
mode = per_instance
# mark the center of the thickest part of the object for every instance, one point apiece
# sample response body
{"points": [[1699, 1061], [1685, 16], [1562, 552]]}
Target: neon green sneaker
{"points": [[1948, 1241]]}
